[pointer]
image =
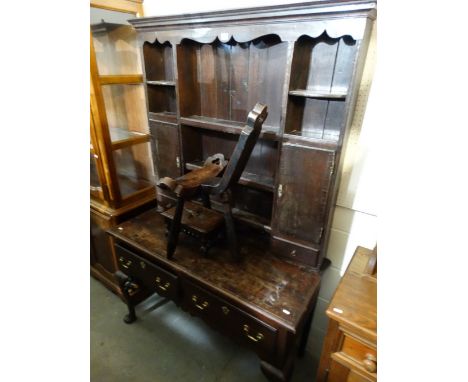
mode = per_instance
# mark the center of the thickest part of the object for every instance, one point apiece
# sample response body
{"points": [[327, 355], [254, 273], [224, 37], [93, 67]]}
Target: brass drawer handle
{"points": [[257, 338], [127, 264], [202, 306], [162, 287], [370, 363], [225, 310]]}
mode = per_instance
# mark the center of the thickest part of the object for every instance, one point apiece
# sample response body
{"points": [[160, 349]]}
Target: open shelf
{"points": [[248, 218], [225, 126], [161, 99], [318, 89], [223, 81], [164, 116], [159, 63], [251, 219], [161, 83], [318, 94], [247, 179], [122, 138]]}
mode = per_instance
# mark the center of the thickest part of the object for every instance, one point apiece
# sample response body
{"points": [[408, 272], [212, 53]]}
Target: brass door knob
{"points": [[370, 363]]}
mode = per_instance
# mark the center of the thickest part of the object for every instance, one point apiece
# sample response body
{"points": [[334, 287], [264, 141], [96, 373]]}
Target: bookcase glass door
{"points": [[122, 133]]}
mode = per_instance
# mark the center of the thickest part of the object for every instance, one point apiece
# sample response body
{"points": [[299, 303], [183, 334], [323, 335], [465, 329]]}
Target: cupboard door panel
{"points": [[305, 176], [100, 244], [166, 149]]}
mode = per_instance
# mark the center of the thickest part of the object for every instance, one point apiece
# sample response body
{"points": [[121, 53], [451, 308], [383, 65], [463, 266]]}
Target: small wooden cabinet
{"points": [[350, 349]]}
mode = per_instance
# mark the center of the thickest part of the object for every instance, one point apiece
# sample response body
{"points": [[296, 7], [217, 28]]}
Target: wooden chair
{"points": [[201, 221]]}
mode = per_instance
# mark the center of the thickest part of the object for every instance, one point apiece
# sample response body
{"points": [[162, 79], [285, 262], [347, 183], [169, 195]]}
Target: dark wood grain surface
{"points": [[277, 288]]}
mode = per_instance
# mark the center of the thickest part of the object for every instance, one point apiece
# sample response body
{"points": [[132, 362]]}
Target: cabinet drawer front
{"points": [[360, 352], [341, 373], [152, 276], [246, 329]]}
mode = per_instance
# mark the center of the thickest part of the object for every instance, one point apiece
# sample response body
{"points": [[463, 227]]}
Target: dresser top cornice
{"points": [[306, 10]]}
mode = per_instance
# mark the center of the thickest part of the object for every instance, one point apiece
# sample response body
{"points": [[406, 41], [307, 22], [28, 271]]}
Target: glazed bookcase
{"points": [[121, 172]]}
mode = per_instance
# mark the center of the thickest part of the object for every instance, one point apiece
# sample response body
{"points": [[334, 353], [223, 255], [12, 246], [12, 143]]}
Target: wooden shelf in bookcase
{"points": [[318, 94], [247, 179], [161, 83], [120, 79], [164, 116], [121, 138], [225, 126]]}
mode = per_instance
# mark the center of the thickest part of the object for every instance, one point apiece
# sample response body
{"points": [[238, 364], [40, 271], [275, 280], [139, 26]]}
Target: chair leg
{"points": [[231, 236], [175, 228], [206, 199], [230, 228]]}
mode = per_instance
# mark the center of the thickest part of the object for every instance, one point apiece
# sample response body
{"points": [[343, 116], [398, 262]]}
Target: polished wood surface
{"points": [[350, 348], [278, 288]]}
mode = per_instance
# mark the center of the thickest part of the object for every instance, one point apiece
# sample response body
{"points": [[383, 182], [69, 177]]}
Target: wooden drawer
{"points": [[342, 372], [153, 277], [360, 352], [354, 360], [243, 327]]}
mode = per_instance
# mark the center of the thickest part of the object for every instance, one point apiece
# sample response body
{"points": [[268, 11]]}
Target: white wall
{"points": [[160, 8], [355, 219]]}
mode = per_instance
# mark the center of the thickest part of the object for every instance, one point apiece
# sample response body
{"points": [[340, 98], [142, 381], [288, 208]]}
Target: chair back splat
{"points": [[246, 143]]}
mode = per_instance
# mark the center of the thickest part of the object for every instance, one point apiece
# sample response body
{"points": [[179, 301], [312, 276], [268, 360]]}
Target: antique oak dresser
{"points": [[203, 73]]}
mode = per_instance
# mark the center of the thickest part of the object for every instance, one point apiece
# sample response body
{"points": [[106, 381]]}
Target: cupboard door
{"points": [[305, 176], [100, 244], [166, 149]]}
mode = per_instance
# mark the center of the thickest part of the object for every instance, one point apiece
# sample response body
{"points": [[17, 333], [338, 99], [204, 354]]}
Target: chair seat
{"points": [[197, 218], [186, 185]]}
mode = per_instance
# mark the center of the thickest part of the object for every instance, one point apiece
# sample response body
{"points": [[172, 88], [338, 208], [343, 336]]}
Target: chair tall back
{"points": [[246, 143]]}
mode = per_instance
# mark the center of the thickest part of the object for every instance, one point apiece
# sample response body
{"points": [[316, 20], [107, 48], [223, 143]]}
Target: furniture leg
{"points": [[126, 286], [175, 228], [306, 330], [275, 374], [305, 334]]}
